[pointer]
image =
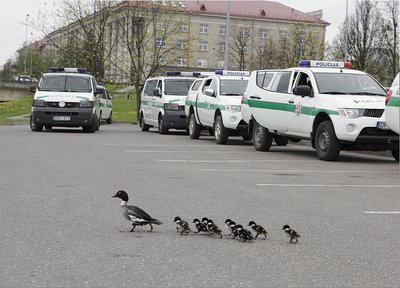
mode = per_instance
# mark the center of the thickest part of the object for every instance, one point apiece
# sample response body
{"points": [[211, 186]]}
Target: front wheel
{"points": [[194, 128], [395, 154], [95, 125], [262, 139], [161, 126], [220, 132], [35, 127], [326, 143], [142, 124], [109, 120]]}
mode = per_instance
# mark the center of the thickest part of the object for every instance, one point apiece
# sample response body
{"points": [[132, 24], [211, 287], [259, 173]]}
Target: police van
{"points": [[214, 104], [162, 103], [328, 103], [66, 97]]}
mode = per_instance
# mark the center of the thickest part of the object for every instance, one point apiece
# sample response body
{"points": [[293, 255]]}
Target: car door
{"points": [[147, 101], [269, 104], [210, 102], [300, 109]]}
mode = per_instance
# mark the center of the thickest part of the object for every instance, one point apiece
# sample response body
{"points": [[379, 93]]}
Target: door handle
{"points": [[291, 101], [255, 97]]}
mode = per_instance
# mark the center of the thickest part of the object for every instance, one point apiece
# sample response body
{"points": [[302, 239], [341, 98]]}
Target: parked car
{"points": [[392, 116]]}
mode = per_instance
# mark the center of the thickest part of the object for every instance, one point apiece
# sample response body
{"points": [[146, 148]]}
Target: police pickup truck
{"points": [[328, 103], [213, 104], [392, 114]]}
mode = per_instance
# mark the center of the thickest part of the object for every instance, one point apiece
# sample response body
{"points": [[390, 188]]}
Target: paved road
{"points": [[59, 226]]}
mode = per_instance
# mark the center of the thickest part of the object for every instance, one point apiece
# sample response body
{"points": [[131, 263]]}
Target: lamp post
{"points": [[346, 32], [26, 42], [226, 52]]}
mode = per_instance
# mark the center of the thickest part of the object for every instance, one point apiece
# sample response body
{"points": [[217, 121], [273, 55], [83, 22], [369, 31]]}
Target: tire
{"points": [[94, 127], [109, 120], [142, 124], [262, 139], [35, 127], [161, 126], [194, 128], [395, 154], [281, 141], [220, 132], [327, 145]]}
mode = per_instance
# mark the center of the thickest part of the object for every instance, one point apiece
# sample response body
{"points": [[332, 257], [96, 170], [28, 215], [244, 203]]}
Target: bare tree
{"points": [[390, 36], [151, 38], [241, 47]]}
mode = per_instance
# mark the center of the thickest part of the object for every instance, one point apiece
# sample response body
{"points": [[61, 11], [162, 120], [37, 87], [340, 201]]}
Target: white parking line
{"points": [[331, 185], [381, 212], [298, 171], [230, 161]]}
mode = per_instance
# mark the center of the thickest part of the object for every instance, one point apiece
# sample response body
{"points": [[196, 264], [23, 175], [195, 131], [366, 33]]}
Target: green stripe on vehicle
{"points": [[394, 101], [305, 110]]}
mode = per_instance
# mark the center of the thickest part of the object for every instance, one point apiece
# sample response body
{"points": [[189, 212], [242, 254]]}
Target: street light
{"points": [[226, 52], [26, 41]]}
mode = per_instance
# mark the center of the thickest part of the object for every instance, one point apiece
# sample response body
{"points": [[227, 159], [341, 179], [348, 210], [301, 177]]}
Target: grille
{"points": [[67, 104], [376, 113]]}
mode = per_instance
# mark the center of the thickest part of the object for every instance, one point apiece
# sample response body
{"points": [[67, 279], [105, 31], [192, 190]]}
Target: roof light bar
{"points": [[232, 73], [67, 70], [186, 73], [325, 64]]}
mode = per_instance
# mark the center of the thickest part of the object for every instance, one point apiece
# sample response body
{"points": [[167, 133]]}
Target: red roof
{"points": [[254, 9]]}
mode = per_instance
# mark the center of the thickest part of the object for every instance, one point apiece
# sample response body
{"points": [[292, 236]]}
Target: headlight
{"points": [[38, 103], [86, 104], [233, 108], [351, 112], [171, 106]]}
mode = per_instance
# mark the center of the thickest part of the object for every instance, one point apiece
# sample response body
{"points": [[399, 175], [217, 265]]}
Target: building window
{"points": [[203, 46], [283, 34], [161, 26], [161, 61], [181, 62], [221, 47], [181, 44], [203, 29], [263, 33], [160, 42], [222, 30], [244, 32], [202, 63], [220, 64], [183, 28]]}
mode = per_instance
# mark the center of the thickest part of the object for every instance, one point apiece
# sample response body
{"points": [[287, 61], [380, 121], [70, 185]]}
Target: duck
{"points": [[258, 229], [213, 229], [293, 235], [200, 226], [244, 234], [182, 225], [136, 215]]}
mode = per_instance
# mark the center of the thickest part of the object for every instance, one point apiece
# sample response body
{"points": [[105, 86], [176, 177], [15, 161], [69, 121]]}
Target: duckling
{"points": [[293, 235], [258, 229]]}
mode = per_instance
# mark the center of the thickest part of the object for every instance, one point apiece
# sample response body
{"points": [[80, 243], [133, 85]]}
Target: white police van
{"points": [[66, 97], [334, 107], [392, 114], [214, 103], [162, 101]]}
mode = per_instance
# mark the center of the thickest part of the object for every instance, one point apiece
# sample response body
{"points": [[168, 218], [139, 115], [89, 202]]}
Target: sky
{"points": [[14, 32]]}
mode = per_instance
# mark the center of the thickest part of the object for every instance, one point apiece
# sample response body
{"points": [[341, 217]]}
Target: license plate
{"points": [[382, 125], [61, 118]]}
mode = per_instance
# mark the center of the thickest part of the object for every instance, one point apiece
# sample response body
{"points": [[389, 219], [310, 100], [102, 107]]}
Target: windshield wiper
{"points": [[334, 92], [365, 93], [231, 94]]}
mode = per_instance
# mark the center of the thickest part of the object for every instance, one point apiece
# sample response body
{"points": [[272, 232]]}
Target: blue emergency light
{"points": [[183, 73], [325, 64]]}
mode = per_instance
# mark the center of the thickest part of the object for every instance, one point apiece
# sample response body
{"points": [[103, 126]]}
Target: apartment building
{"points": [[199, 38]]}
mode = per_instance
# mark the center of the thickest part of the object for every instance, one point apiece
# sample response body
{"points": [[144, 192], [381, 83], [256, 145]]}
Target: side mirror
{"points": [[157, 92], [302, 90], [32, 89], [112, 97], [209, 92]]}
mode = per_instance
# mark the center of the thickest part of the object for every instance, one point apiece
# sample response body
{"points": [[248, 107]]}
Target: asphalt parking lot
{"points": [[60, 227]]}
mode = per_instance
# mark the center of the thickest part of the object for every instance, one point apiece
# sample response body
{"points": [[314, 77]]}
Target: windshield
{"points": [[233, 87], [177, 86], [345, 83], [65, 83]]}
